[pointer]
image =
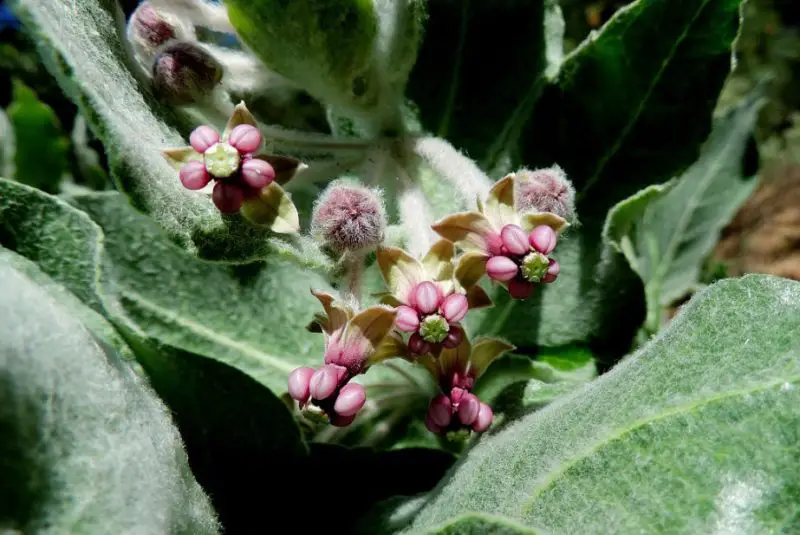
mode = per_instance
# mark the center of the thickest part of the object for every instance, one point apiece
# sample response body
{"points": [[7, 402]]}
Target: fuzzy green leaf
{"points": [[695, 432], [667, 231], [76, 423], [80, 44], [482, 65]]}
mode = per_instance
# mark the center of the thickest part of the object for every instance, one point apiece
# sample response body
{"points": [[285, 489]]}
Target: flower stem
{"points": [[352, 279], [415, 215], [453, 166]]}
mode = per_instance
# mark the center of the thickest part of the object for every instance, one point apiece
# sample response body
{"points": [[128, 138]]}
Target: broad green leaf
{"points": [[694, 433], [250, 317], [80, 44], [87, 446], [40, 157], [667, 232], [482, 65], [631, 105], [478, 524], [570, 364]]}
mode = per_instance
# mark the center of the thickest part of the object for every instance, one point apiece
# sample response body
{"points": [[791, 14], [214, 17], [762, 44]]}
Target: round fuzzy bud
{"points": [[184, 73], [245, 138], [501, 268], [299, 381], [407, 319], [349, 218], [324, 382], [543, 239], [468, 409], [520, 289], [227, 197], [515, 240], [194, 176], [257, 173], [351, 398], [202, 138], [441, 411], [427, 297], [454, 337], [418, 345], [484, 419], [545, 190], [149, 27], [552, 272], [455, 307]]}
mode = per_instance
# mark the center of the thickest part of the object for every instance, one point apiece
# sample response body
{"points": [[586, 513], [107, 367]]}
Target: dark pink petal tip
{"points": [[552, 272], [227, 197], [418, 345], [245, 138], [194, 175], [520, 289], [441, 411], [454, 337]]}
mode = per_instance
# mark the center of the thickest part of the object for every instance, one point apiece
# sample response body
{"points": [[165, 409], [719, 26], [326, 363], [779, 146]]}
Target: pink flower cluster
{"points": [[458, 409], [328, 388], [432, 318], [521, 260]]}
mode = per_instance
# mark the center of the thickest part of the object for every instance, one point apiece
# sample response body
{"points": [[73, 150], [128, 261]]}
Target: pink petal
{"points": [[494, 244], [501, 268], [299, 381], [324, 382], [427, 297], [202, 138], [351, 398], [484, 420], [407, 319], [515, 240], [454, 337], [543, 239], [194, 176], [432, 427], [441, 411], [468, 409], [552, 272], [227, 197], [455, 307], [257, 173], [418, 345], [245, 138], [341, 421], [520, 289]]}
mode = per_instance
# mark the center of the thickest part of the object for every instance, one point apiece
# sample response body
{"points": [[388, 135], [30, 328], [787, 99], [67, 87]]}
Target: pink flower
{"points": [[244, 180], [430, 300], [456, 371], [353, 343], [512, 248]]}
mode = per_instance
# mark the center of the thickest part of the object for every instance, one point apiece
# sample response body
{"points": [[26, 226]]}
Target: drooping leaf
{"points": [[482, 65], [80, 44], [87, 447], [40, 157], [667, 231], [694, 432]]}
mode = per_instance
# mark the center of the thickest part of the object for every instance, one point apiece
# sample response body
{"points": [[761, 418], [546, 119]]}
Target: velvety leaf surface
{"points": [[666, 234], [478, 524], [481, 65], [80, 44], [695, 432], [87, 447], [631, 106]]}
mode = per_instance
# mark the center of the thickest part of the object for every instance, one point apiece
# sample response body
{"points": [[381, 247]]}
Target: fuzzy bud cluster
{"points": [[545, 190], [349, 218]]}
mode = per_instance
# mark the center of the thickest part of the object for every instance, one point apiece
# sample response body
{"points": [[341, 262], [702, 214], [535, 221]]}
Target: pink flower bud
{"points": [[456, 394], [418, 345], [227, 197], [349, 218], [202, 138], [194, 176], [257, 173], [552, 272], [515, 240], [545, 190], [543, 239], [299, 381], [455, 307], [427, 297], [351, 398], [441, 411], [494, 244], [245, 138], [324, 382], [468, 409], [341, 421], [407, 319], [484, 419], [184, 73], [454, 337], [501, 268], [150, 27], [520, 289], [432, 427]]}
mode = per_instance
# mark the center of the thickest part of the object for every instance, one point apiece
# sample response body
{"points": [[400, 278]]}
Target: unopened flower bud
{"points": [[520, 289], [427, 297], [501, 268], [184, 73], [455, 307], [407, 319], [227, 197], [324, 382], [545, 190], [514, 239], [441, 411], [543, 239], [203, 138], [454, 337], [150, 27], [484, 419], [299, 381], [349, 218], [468, 408], [552, 271], [194, 176], [257, 173], [418, 345], [351, 398], [245, 138]]}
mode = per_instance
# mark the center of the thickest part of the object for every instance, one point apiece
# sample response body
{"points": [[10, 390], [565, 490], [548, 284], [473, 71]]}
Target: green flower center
{"points": [[222, 160], [534, 266], [434, 329]]}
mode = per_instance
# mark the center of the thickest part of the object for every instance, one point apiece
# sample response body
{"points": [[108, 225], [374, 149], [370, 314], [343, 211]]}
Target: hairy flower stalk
{"points": [[430, 300], [512, 248], [353, 343], [455, 372]]}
